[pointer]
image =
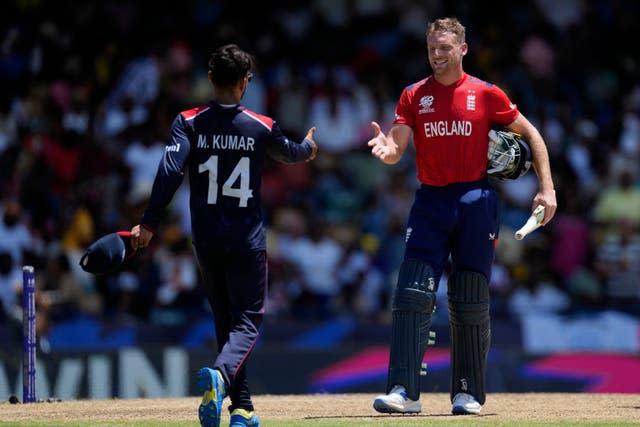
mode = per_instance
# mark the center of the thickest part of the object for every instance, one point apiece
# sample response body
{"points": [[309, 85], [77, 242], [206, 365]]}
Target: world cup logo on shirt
{"points": [[425, 104]]}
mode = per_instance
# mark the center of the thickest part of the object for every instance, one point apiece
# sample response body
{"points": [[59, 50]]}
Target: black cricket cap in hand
{"points": [[107, 253]]}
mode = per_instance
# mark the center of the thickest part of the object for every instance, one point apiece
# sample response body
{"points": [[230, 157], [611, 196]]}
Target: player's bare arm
{"points": [[546, 195], [389, 148]]}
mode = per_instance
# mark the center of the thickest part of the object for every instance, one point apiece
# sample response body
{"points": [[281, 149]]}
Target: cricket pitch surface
{"points": [[502, 408]]}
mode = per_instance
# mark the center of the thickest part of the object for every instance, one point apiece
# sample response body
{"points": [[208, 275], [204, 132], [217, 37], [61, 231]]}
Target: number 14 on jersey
{"points": [[241, 173]]}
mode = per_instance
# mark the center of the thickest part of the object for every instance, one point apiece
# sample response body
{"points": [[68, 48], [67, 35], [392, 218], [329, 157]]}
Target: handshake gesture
{"points": [[382, 147]]}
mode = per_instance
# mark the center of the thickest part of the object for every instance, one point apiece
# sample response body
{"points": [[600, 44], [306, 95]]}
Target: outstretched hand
{"points": [[381, 147], [314, 146]]}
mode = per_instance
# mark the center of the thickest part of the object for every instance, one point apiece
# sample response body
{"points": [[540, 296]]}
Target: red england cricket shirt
{"points": [[450, 126]]}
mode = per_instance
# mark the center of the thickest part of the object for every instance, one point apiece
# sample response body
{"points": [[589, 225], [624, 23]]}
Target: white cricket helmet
{"points": [[509, 156]]}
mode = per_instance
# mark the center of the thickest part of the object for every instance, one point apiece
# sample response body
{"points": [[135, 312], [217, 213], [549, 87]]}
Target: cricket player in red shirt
{"points": [[455, 214]]}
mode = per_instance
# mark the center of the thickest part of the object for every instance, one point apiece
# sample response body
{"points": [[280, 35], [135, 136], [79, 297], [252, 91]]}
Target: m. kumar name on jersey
{"points": [[226, 142]]}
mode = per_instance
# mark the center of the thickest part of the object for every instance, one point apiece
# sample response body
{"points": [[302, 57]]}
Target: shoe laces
{"points": [[398, 389], [243, 413], [464, 398]]}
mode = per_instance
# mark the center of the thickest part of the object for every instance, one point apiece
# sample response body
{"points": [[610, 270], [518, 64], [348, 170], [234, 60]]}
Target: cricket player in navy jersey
{"points": [[454, 215], [223, 146]]}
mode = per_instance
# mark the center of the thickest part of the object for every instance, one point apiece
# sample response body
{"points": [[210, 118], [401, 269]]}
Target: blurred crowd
{"points": [[89, 91]]}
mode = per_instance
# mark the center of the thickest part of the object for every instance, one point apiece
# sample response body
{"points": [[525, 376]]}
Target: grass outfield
{"points": [[338, 410]]}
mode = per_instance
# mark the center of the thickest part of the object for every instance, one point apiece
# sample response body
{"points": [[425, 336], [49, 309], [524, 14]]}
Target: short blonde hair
{"points": [[450, 25]]}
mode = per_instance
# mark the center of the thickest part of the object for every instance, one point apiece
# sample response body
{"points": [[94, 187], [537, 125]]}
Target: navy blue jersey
{"points": [[223, 148]]}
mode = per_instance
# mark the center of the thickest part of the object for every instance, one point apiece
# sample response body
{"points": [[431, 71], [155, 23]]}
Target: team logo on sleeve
{"points": [[425, 104]]}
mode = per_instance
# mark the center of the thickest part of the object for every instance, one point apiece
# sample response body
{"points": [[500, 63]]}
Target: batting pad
{"points": [[468, 294], [413, 303]]}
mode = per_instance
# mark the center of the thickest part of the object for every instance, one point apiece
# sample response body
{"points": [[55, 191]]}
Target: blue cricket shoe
{"points": [[211, 385], [242, 417]]}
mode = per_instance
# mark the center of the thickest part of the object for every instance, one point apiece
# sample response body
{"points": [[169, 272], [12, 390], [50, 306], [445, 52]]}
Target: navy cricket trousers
{"points": [[459, 220], [236, 286]]}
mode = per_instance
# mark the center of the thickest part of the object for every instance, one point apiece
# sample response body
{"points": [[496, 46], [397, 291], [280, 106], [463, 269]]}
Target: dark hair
{"points": [[228, 64]]}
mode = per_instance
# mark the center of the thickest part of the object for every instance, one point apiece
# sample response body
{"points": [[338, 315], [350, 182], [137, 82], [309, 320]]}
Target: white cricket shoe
{"points": [[396, 402], [464, 404]]}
